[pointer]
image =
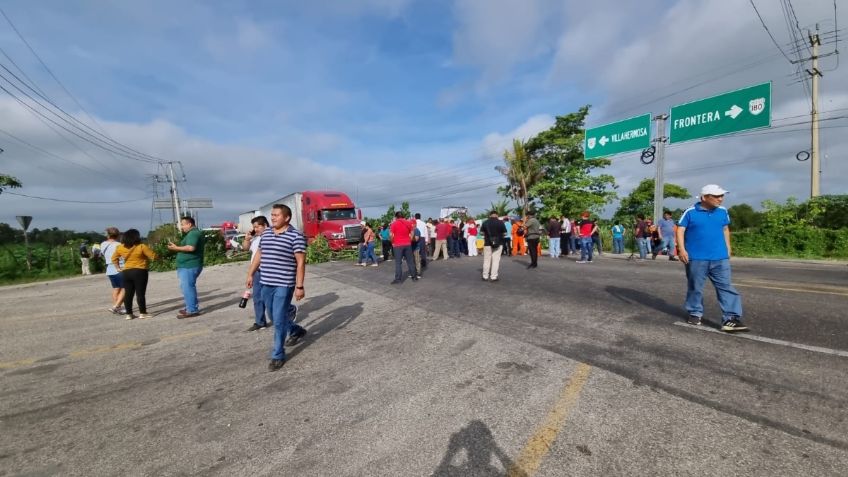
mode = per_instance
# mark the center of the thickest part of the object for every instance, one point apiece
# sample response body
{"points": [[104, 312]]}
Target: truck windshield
{"points": [[338, 214]]}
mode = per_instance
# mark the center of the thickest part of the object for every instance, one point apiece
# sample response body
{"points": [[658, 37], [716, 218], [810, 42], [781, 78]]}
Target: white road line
{"points": [[747, 336]]}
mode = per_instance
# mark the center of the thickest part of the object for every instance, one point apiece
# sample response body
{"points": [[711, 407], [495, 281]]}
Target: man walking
{"points": [[423, 240], [666, 228], [534, 233], [282, 257], [617, 237], [443, 230], [703, 237], [640, 232], [401, 233], [554, 230], [189, 265], [586, 228], [85, 255], [507, 247], [261, 314], [493, 238]]}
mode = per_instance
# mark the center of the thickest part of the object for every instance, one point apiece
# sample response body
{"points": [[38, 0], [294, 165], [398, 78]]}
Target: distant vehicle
{"points": [[228, 230], [317, 212]]}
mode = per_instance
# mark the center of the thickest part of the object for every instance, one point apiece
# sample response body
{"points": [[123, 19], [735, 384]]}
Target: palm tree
{"points": [[521, 170], [501, 207]]}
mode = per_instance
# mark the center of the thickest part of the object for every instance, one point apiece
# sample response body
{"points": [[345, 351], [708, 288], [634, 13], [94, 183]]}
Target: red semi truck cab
{"points": [[317, 212], [331, 214]]}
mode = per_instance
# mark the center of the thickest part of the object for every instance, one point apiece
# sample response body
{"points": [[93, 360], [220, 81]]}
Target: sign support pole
{"points": [[815, 163], [659, 180]]}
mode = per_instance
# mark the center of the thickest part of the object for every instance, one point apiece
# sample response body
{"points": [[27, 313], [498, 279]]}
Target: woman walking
{"points": [[369, 237], [137, 257]]}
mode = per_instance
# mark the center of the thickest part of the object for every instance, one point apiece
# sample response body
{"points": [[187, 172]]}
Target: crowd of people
{"points": [[128, 261], [700, 239]]}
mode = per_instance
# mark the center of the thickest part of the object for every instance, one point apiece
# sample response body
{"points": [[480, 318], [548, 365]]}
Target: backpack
{"points": [[521, 231], [83, 250], [95, 253]]}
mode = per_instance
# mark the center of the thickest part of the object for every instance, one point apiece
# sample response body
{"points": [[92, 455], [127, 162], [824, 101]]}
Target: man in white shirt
{"points": [[423, 240]]}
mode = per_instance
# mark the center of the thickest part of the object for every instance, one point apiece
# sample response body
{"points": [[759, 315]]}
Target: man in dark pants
{"points": [[401, 231], [507, 248], [534, 233]]}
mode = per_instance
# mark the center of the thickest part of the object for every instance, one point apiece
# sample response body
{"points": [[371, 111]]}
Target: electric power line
{"points": [[100, 202]]}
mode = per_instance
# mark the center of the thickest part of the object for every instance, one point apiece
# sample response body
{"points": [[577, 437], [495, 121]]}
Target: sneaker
{"points": [[292, 313], [494, 280], [295, 338], [255, 327], [145, 316], [485, 279], [276, 364], [419, 276], [362, 264], [694, 320], [395, 282], [115, 310], [128, 316], [581, 261], [182, 315], [374, 265], [733, 325]]}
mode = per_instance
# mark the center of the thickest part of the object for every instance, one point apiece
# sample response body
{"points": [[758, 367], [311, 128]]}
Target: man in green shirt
{"points": [[189, 265], [534, 233]]}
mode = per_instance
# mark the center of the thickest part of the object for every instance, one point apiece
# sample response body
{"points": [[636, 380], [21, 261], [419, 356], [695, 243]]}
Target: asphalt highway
{"points": [[567, 369]]}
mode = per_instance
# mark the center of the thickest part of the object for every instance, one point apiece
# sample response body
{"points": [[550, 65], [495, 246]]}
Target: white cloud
{"points": [[495, 143]]}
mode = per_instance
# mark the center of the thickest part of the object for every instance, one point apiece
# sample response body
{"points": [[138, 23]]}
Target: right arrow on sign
{"points": [[733, 112]]}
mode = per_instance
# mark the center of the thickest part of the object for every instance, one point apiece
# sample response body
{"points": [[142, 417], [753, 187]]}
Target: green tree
{"points": [[743, 216], [569, 183], [641, 200], [522, 171], [390, 213], [9, 182], [501, 207]]}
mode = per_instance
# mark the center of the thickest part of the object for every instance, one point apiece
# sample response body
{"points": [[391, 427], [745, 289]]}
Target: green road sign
{"points": [[728, 113], [629, 135]]}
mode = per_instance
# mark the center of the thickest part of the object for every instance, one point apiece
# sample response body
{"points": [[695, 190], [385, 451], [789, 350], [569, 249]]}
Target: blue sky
{"points": [[383, 99]]}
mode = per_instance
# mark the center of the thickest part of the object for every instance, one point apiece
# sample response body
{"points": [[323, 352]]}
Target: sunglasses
{"points": [[716, 196]]}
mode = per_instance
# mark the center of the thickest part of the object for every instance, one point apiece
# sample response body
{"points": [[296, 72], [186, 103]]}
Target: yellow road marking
{"points": [[84, 353], [540, 443], [17, 364], [825, 289]]}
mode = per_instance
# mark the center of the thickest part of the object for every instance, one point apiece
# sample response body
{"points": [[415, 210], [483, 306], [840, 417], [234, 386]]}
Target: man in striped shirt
{"points": [[282, 257]]}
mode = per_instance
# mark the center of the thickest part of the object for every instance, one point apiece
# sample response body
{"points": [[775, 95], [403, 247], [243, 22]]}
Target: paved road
{"points": [[564, 370]]}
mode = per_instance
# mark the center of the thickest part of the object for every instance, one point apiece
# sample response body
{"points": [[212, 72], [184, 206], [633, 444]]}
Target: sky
{"points": [[386, 100]]}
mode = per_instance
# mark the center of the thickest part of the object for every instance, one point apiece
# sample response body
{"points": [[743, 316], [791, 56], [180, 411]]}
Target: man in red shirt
{"points": [[586, 228], [443, 229], [400, 231]]}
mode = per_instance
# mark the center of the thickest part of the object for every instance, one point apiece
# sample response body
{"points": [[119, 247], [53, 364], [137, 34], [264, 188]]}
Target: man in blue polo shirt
{"points": [[282, 258], [703, 239]]}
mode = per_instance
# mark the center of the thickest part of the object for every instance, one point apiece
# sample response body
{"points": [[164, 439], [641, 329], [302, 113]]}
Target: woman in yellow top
{"points": [[137, 257]]}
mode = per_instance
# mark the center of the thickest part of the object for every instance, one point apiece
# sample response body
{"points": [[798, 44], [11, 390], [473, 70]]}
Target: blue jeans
{"points": [[188, 285], [666, 243], [422, 251], [718, 271], [617, 244], [596, 240], [586, 248], [260, 313], [453, 247], [368, 254], [642, 244], [404, 252], [574, 243], [278, 300], [554, 246]]}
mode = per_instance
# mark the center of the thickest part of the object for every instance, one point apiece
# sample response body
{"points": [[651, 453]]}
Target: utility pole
{"points": [[174, 196], [815, 73], [659, 180]]}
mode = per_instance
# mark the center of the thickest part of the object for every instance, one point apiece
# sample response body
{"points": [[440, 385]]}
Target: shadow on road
{"points": [[478, 445], [315, 303], [628, 295], [337, 318]]}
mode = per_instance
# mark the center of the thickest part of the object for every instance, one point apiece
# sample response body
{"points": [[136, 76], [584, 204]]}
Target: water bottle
{"points": [[244, 297]]}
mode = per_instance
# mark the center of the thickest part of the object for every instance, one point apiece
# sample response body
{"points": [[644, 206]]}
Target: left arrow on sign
{"points": [[733, 112], [604, 140]]}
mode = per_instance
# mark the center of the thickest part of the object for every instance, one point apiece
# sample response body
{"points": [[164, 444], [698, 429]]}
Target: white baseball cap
{"points": [[712, 189]]}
